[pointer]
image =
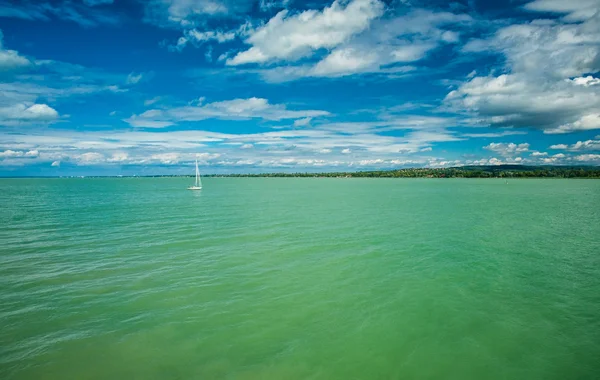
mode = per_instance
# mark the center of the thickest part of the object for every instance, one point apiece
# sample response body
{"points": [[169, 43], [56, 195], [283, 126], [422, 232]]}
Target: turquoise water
{"points": [[273, 278]]}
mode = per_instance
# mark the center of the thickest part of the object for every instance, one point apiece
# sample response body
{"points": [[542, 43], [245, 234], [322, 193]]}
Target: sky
{"points": [[132, 87]]}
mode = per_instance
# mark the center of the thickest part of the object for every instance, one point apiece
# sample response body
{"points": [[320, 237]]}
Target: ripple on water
{"points": [[299, 278]]}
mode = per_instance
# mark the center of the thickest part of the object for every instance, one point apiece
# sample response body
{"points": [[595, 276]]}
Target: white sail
{"points": [[198, 182]]}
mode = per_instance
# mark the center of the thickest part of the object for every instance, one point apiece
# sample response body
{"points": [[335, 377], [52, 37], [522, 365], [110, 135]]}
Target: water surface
{"points": [[270, 278]]}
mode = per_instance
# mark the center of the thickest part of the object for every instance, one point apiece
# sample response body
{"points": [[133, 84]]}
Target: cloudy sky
{"points": [[144, 87]]}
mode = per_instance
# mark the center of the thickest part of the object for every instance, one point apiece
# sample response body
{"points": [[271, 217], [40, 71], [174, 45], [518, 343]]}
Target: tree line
{"points": [[500, 171]]}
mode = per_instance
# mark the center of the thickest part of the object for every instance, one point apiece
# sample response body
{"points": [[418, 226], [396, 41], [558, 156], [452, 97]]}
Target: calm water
{"points": [[299, 279]]}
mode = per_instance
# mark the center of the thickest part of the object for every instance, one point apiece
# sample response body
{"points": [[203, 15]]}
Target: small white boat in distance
{"points": [[198, 183]]}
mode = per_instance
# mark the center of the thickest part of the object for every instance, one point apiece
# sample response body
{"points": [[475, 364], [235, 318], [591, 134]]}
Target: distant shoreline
{"points": [[500, 171]]}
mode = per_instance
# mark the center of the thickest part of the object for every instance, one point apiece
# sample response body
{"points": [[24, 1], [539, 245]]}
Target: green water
{"points": [[299, 279]]}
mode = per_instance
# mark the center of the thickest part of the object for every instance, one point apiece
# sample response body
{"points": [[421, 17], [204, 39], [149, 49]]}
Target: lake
{"points": [[299, 278]]}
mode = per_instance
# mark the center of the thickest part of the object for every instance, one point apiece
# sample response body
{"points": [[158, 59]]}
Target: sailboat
{"points": [[198, 183]]}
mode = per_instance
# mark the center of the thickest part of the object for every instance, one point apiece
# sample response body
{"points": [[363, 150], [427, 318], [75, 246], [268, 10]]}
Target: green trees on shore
{"points": [[501, 171]]}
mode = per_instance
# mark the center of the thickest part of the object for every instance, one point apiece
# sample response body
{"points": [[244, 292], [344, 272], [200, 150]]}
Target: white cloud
{"points": [[267, 5], [579, 145], [55, 164], [428, 149], [509, 149], [518, 100], [539, 154], [484, 162], [344, 61], [584, 123], [292, 36], [586, 81], [302, 122], [188, 13], [133, 78], [235, 109], [586, 145], [10, 59], [546, 84], [494, 134], [344, 67], [549, 49], [150, 102], [559, 146], [363, 144], [27, 113], [198, 38], [587, 157], [576, 10], [247, 146], [118, 157], [166, 158], [90, 158], [11, 154], [403, 39], [365, 44]]}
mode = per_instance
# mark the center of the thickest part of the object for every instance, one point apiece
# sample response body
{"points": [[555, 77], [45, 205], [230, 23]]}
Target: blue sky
{"points": [[147, 87]]}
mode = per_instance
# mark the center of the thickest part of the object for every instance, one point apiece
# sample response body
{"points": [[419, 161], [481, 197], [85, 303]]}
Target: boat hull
{"points": [[195, 188]]}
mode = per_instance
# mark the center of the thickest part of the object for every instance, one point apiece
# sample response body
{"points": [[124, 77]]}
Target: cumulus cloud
{"points": [[293, 36], [25, 113], [586, 81], [516, 100], [579, 145], [235, 109], [547, 83], [13, 154], [559, 146], [584, 123], [507, 149], [10, 59], [366, 44], [587, 157]]}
